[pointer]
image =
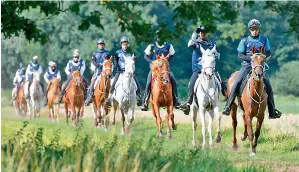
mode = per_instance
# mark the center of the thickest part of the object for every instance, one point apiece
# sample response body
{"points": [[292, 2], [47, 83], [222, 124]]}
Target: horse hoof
{"points": [[218, 139], [113, 123], [160, 134], [174, 127], [235, 146], [243, 138], [105, 129]]}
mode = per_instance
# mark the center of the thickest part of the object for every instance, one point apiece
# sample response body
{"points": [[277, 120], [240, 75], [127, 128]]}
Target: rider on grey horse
{"points": [[18, 80], [52, 72], [119, 67], [158, 48], [200, 37], [77, 63], [31, 68], [244, 53], [98, 57]]}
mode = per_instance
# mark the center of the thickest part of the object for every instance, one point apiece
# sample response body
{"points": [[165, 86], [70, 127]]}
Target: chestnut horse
{"points": [[253, 100], [162, 93], [53, 93], [101, 92], [74, 98], [20, 102]]}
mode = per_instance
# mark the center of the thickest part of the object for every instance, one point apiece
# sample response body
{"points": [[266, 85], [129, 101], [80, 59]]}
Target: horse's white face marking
{"points": [[129, 65]]}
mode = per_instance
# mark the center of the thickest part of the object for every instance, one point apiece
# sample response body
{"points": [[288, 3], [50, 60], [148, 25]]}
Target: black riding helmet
{"points": [[201, 28]]}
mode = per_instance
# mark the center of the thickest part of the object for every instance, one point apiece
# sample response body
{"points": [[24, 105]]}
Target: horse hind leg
{"points": [[203, 126], [233, 114], [194, 124], [216, 112]]}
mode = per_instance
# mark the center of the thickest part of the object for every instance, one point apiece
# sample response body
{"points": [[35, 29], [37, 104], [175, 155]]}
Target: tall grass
{"points": [[26, 151]]}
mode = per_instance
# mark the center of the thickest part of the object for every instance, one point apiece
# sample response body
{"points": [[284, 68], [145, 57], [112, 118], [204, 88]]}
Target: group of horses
{"points": [[207, 89]]}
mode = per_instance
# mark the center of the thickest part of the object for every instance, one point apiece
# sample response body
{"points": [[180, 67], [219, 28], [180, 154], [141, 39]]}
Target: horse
{"points": [[125, 95], [20, 101], [253, 100], [101, 92], [74, 98], [206, 97], [53, 93], [162, 93], [35, 95]]}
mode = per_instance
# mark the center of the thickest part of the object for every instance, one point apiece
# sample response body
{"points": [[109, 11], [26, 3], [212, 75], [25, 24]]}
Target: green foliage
{"points": [[286, 80]]}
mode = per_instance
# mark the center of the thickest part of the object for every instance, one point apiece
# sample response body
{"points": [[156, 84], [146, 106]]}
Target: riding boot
{"points": [[186, 106], [89, 96], [176, 101], [146, 97], [46, 99], [28, 89], [273, 113]]}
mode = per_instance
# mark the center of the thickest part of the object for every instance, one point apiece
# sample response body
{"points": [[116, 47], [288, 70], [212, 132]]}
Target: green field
{"points": [[43, 145]]}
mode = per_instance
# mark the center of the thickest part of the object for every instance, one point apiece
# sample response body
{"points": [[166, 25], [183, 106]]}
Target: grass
{"points": [[43, 145]]}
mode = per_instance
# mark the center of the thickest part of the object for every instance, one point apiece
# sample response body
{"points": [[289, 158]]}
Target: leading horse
{"points": [[162, 93], [101, 92], [74, 98], [253, 100]]}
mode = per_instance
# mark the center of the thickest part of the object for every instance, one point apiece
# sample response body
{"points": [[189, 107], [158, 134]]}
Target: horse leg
{"points": [[28, 108], [154, 113], [57, 112], [66, 112], [122, 121], [210, 127], [250, 132], [106, 118], [218, 137], [233, 114], [99, 115], [202, 111], [131, 117], [167, 120], [115, 105], [174, 126], [257, 132], [159, 120], [244, 136], [94, 110], [194, 124]]}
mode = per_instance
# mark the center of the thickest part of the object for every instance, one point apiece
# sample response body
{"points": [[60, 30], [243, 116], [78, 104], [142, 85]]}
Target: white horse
{"points": [[35, 95], [207, 88], [124, 96]]}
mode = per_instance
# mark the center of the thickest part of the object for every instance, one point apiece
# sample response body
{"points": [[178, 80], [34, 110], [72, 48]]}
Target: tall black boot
{"points": [[89, 96], [144, 106]]}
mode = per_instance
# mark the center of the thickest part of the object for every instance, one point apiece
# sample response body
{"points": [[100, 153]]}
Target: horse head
{"points": [[77, 78], [258, 62], [36, 76], [208, 61], [107, 68], [160, 67], [130, 65]]}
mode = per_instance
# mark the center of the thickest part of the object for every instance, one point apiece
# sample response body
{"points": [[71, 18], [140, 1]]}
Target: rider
{"points": [[98, 57], [244, 53], [18, 80], [51, 72], [77, 63], [119, 67], [158, 48], [200, 37], [32, 67]]}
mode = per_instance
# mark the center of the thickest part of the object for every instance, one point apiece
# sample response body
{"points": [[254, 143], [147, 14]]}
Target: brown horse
{"points": [[53, 94], [74, 98], [20, 102], [253, 100], [162, 93], [101, 92]]}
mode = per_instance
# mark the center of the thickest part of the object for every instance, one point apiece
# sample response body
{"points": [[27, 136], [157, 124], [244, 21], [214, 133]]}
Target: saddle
{"points": [[119, 81]]}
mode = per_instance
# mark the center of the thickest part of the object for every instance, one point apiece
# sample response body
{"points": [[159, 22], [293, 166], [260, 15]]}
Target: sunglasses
{"points": [[254, 29]]}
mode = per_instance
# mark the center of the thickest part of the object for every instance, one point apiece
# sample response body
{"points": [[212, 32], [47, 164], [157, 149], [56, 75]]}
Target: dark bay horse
{"points": [[162, 93], [253, 100], [74, 98]]}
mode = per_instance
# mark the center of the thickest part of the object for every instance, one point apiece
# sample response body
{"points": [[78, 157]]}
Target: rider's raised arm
{"points": [[46, 77], [171, 53], [148, 53], [58, 76], [83, 67], [192, 41], [67, 69]]}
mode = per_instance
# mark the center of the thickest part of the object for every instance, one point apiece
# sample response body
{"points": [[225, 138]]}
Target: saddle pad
{"points": [[120, 79]]}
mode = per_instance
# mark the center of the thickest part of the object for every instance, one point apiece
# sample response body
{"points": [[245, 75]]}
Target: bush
{"points": [[286, 80]]}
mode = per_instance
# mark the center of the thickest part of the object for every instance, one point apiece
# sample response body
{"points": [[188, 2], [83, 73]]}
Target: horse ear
{"points": [[202, 50], [263, 51], [110, 59], [167, 57], [253, 50], [214, 49]]}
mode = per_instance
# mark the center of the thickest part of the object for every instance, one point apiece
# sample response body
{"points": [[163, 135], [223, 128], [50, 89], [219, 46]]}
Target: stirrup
{"points": [[144, 107], [226, 111]]}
